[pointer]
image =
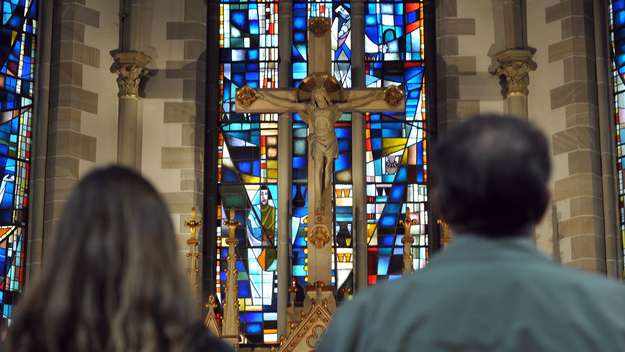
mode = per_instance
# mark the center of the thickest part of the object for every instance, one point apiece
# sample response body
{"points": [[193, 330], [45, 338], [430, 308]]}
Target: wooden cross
{"points": [[320, 100]]}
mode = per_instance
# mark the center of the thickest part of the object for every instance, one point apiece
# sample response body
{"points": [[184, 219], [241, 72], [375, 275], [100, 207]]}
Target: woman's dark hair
{"points": [[112, 279], [489, 175]]}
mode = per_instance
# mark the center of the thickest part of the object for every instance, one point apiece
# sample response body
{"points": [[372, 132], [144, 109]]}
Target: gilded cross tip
{"points": [[246, 96], [393, 95]]}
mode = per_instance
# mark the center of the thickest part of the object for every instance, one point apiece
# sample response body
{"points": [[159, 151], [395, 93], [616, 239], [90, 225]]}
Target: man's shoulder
{"points": [[546, 275], [541, 290], [589, 281], [385, 292]]}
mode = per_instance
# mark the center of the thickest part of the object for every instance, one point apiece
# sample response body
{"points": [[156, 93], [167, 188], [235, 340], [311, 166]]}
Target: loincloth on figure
{"points": [[323, 146]]}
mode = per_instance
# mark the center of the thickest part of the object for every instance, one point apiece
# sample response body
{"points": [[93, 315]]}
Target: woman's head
{"points": [[112, 279]]}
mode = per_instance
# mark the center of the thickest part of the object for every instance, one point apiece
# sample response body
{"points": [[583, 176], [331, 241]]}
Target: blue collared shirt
{"points": [[482, 294]]}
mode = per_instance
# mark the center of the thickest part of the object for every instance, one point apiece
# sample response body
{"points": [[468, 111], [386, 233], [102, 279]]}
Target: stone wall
{"points": [[465, 35], [549, 74], [83, 104], [174, 105], [77, 128], [564, 102]]}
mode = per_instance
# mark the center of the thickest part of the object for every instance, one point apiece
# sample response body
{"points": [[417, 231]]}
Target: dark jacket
{"points": [[484, 295]]}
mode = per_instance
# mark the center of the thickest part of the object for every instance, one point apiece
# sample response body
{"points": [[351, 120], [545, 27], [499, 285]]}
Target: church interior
{"points": [[296, 132]]}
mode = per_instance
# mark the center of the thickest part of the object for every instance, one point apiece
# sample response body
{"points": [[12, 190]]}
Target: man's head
{"points": [[489, 176]]}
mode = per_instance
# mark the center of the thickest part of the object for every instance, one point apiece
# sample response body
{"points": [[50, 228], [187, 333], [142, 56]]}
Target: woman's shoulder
{"points": [[205, 341]]}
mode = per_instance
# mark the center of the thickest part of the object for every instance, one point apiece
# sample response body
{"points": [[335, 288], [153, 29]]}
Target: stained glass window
{"points": [[396, 161], [618, 70], [247, 148], [18, 34], [248, 163], [339, 12]]}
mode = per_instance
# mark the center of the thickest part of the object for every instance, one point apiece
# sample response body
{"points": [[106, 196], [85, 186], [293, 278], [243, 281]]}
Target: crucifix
{"points": [[408, 240], [320, 100]]}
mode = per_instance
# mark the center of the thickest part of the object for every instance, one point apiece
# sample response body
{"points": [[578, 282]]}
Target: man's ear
{"points": [[543, 206]]}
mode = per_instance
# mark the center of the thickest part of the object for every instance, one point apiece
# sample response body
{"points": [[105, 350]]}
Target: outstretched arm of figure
{"points": [[305, 114], [287, 104], [355, 103]]}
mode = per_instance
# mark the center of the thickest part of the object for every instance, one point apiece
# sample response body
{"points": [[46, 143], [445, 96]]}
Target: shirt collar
{"points": [[472, 247]]}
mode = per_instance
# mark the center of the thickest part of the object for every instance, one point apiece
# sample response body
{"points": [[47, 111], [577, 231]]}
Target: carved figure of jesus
{"points": [[321, 114]]}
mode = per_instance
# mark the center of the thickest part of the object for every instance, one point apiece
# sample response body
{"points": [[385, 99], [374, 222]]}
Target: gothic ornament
{"points": [[393, 95], [315, 335], [319, 25], [305, 334], [193, 256], [513, 67], [230, 327], [130, 67], [319, 235], [211, 322]]}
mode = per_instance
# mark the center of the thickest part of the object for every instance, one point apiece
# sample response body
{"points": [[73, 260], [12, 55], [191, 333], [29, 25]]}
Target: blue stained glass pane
{"points": [[383, 263], [248, 163], [254, 329], [396, 154], [18, 39], [255, 317]]}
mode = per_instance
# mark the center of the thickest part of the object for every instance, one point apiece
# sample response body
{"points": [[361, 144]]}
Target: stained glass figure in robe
{"points": [[18, 35], [396, 161], [248, 164]]}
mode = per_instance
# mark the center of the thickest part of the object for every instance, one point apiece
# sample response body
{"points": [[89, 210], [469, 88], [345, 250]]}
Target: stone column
{"points": [[39, 175], [514, 22], [513, 67], [209, 238], [130, 67], [614, 266], [285, 151], [359, 182]]}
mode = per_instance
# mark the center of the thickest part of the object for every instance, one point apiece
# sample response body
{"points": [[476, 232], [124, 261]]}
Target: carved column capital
{"points": [[513, 66], [130, 67]]}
